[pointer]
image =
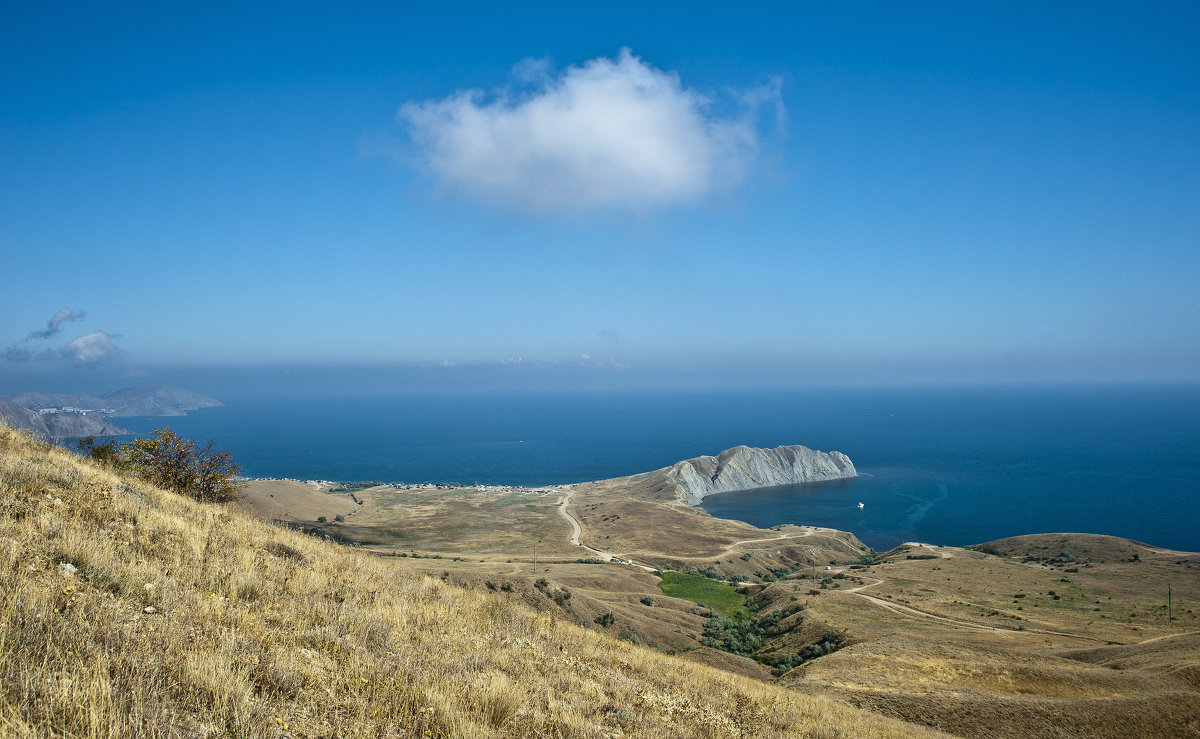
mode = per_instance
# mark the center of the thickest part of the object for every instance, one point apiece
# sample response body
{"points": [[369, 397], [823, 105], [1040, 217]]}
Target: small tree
{"points": [[174, 462]]}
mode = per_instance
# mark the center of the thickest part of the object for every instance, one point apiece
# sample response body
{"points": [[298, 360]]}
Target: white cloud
{"points": [[93, 348], [609, 134]]}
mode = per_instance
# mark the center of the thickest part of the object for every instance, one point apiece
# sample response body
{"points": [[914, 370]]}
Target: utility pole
{"points": [[1170, 613]]}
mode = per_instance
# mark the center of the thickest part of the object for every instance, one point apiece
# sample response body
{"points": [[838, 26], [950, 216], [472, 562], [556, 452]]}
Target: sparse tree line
{"points": [[174, 463]]}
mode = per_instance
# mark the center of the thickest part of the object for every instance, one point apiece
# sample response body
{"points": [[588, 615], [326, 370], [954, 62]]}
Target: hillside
{"points": [[68, 425], [1045, 635], [130, 611]]}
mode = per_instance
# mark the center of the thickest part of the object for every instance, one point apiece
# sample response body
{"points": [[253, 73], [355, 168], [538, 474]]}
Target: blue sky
{"points": [[681, 193]]}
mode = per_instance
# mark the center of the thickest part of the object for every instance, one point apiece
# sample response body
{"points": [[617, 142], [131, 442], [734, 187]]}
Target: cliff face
{"points": [[744, 468]]}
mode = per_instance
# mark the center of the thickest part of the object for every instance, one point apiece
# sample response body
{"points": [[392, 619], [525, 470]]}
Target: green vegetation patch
{"points": [[721, 597]]}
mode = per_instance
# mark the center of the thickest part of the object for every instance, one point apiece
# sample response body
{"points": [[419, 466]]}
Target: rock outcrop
{"points": [[745, 468]]}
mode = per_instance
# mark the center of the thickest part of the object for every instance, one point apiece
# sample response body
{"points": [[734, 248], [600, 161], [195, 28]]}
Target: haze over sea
{"points": [[954, 465]]}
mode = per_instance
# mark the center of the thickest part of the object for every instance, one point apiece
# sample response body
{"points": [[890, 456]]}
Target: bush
{"points": [[830, 642], [173, 462], [339, 518], [740, 636], [605, 619], [648, 600], [321, 519]]}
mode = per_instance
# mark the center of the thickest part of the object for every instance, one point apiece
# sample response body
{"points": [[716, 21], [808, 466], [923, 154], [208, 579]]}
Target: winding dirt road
{"points": [[907, 611], [729, 549], [577, 531]]}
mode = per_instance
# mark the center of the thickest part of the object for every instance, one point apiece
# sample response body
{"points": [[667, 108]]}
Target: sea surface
{"points": [[948, 466]]}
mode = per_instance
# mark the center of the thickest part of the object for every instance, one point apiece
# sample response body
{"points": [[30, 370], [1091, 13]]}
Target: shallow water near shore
{"points": [[943, 465]]}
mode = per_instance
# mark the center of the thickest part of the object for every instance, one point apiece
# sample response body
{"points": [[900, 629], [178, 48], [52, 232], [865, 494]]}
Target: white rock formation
{"points": [[744, 468]]}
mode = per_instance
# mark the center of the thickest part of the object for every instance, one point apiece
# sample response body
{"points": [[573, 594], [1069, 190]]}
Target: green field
{"points": [[721, 597]]}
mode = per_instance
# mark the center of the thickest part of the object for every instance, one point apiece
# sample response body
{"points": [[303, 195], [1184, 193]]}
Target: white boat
{"points": [[861, 506]]}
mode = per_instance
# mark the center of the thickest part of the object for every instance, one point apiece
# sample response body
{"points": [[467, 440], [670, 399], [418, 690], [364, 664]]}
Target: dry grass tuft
{"points": [[129, 611]]}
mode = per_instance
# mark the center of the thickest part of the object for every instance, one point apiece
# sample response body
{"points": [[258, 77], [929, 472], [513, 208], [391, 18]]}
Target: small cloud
{"points": [[93, 348], [611, 134], [54, 325]]}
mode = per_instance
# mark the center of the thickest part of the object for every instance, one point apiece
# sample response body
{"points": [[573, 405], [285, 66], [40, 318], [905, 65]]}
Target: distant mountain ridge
{"points": [[72, 416], [157, 400]]}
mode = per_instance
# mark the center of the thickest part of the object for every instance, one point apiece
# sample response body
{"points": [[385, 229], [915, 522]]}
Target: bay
{"points": [[945, 465]]}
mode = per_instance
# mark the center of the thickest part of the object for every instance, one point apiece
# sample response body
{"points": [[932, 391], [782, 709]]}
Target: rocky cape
{"points": [[746, 468], [75, 416]]}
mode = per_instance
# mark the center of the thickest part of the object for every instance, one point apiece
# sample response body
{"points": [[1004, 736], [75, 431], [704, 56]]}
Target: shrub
{"points": [[339, 518], [605, 619], [740, 636], [648, 600], [173, 462], [321, 519], [830, 642]]}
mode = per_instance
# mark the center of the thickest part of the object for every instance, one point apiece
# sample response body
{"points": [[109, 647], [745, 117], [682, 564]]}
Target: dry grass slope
{"points": [[182, 619]]}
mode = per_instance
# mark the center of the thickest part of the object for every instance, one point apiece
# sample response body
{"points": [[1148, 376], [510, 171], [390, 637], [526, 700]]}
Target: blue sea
{"points": [[951, 466]]}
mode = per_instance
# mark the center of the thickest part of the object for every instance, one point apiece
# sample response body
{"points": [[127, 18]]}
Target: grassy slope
{"points": [[185, 619]]}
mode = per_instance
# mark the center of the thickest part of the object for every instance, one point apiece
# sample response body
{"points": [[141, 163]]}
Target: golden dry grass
{"points": [[509, 523], [1100, 660], [293, 502], [182, 619]]}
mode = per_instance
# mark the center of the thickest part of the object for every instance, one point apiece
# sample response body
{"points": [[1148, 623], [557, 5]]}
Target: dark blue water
{"points": [[949, 465]]}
